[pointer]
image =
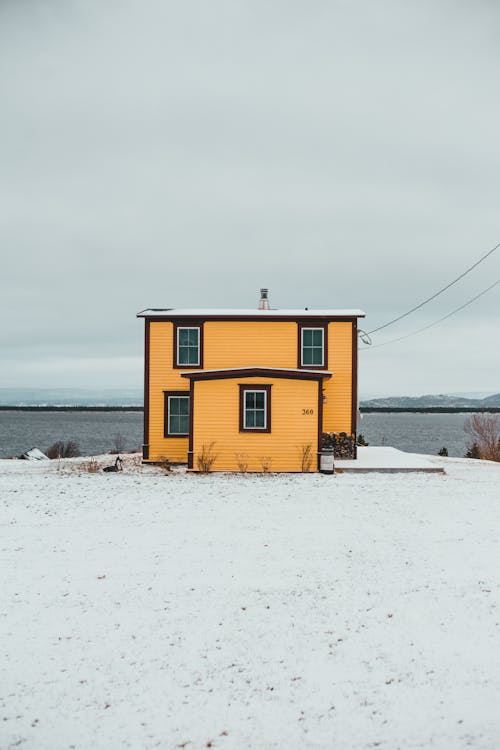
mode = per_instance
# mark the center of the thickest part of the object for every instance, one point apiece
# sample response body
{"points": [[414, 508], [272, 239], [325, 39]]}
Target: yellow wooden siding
{"points": [[163, 378], [216, 419], [338, 390], [250, 343], [245, 344]]}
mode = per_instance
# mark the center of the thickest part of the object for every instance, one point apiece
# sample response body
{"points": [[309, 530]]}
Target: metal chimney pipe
{"points": [[264, 302]]}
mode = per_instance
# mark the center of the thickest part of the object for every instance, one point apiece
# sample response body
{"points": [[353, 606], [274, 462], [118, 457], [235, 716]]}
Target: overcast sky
{"points": [[163, 154]]}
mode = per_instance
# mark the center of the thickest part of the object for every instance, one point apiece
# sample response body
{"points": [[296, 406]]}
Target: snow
{"points": [[385, 458], [243, 313], [143, 610]]}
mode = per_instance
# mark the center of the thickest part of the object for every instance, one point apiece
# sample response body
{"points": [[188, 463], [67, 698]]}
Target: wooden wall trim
{"points": [[145, 444], [354, 390]]}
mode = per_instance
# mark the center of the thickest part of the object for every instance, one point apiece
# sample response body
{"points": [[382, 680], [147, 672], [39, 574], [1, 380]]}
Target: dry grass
{"points": [[306, 456], [206, 459], [242, 462], [266, 462]]}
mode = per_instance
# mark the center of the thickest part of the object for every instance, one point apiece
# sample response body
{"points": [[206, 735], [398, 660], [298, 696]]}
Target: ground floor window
{"points": [[177, 409], [255, 408]]}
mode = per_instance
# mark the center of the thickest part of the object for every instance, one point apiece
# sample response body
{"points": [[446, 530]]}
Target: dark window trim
{"points": [[188, 324], [166, 395], [255, 387], [300, 327]]}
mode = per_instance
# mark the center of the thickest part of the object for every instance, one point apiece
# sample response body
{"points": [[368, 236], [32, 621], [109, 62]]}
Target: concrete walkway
{"points": [[386, 459]]}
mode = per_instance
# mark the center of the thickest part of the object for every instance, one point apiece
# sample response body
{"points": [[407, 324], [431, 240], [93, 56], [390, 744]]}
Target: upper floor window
{"points": [[188, 346], [312, 347]]}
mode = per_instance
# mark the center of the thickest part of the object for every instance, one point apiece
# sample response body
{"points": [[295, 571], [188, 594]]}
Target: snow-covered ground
{"points": [[143, 610]]}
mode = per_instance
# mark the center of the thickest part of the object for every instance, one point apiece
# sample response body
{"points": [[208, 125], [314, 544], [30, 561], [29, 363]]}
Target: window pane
{"points": [[250, 419], [317, 337], [183, 334], [249, 399], [316, 356], [183, 355], [259, 400], [259, 419], [184, 424], [306, 338], [192, 355], [183, 405], [307, 357], [193, 336], [174, 424]]}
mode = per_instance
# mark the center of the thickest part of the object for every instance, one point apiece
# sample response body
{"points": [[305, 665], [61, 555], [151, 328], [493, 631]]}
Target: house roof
{"points": [[172, 312], [251, 372]]}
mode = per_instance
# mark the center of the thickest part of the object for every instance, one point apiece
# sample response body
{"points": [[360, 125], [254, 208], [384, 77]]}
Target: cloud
{"points": [[184, 154]]}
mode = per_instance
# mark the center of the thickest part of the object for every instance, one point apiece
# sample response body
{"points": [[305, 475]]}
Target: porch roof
{"points": [[252, 372]]}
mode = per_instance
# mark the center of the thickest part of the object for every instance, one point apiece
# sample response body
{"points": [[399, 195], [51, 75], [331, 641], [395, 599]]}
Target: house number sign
{"points": [[307, 411]]}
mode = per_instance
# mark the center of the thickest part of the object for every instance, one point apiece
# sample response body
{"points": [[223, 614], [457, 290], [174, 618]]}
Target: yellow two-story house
{"points": [[252, 390]]}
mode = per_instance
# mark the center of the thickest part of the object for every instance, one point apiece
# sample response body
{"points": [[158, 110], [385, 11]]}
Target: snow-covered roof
{"points": [[172, 312]]}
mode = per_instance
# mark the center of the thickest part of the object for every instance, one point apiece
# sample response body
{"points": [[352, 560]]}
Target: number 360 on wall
{"points": [[307, 411]]}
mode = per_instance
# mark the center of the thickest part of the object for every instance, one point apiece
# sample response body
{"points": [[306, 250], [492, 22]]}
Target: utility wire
{"points": [[436, 294], [431, 325]]}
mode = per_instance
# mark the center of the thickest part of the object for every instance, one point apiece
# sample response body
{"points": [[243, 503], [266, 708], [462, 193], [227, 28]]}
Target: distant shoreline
{"points": [[71, 408], [363, 409]]}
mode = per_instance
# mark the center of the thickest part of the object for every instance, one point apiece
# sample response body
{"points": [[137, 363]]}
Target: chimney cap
{"points": [[264, 301]]}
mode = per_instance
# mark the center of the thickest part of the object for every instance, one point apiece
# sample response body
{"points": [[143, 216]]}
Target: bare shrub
{"points": [[61, 449], [265, 462], [472, 451], [443, 451], [484, 430], [164, 463], [91, 466], [119, 442], [306, 456], [206, 459], [242, 462]]}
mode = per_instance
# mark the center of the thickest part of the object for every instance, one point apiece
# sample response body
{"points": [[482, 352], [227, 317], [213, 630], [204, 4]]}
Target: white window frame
{"points": [[312, 328], [169, 412], [188, 328], [254, 390]]}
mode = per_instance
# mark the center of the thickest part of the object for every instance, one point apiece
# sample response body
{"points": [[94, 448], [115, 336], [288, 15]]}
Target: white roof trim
{"points": [[244, 313]]}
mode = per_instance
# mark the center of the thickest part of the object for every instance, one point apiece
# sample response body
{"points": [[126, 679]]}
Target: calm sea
{"points": [[95, 431]]}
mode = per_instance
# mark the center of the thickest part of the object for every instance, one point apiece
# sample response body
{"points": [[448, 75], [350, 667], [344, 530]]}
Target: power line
{"points": [[431, 325], [436, 294]]}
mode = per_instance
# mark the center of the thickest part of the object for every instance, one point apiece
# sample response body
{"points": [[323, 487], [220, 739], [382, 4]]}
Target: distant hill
{"points": [[432, 401], [70, 397]]}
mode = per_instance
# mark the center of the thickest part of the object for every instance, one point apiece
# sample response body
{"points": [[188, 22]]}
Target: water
{"points": [[417, 433], [95, 431]]}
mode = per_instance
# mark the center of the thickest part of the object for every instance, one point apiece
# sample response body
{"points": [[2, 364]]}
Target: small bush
{"points": [[61, 449], [265, 462], [306, 456], [91, 466], [484, 429], [206, 459], [361, 440], [242, 462], [473, 451], [443, 451]]}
